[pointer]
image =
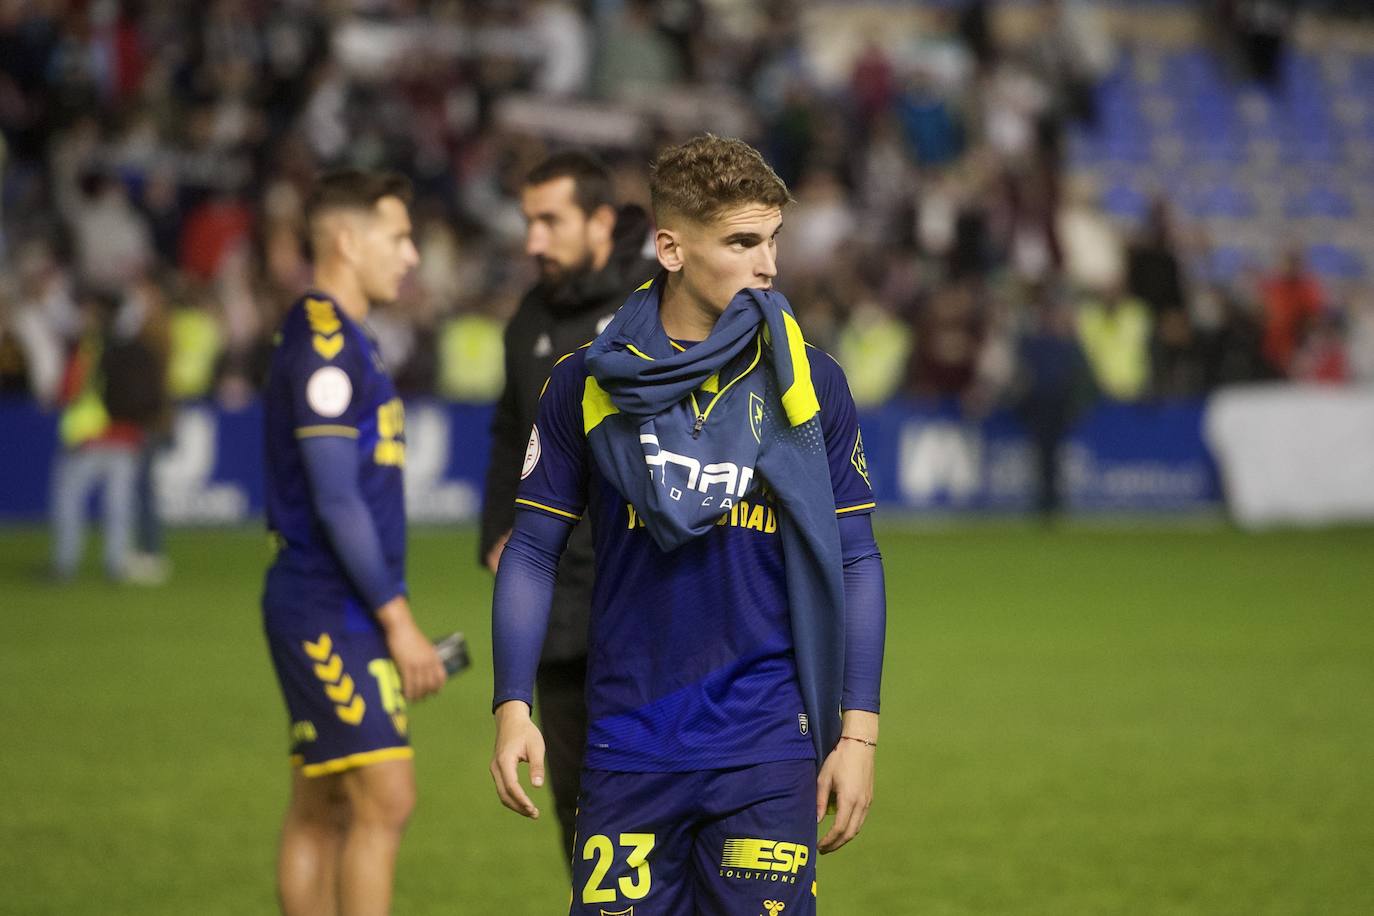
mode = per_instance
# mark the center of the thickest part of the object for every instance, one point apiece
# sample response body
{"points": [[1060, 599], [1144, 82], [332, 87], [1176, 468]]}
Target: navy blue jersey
{"points": [[327, 379], [691, 662]]}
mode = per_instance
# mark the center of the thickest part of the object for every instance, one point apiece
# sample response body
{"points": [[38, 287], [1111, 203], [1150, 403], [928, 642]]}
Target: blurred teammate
{"points": [[589, 258], [347, 653], [738, 605]]}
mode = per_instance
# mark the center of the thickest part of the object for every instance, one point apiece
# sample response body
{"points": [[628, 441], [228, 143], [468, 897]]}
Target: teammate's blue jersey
{"points": [[691, 662], [327, 379]]}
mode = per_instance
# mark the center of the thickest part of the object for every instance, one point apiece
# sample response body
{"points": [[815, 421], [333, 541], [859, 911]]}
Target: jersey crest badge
{"points": [[756, 416], [860, 460]]}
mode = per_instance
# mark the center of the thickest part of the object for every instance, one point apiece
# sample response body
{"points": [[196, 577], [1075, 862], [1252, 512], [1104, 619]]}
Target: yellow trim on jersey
{"points": [[296, 760], [677, 346], [307, 432], [715, 399], [532, 503], [353, 761], [645, 285], [799, 401], [856, 508], [638, 352], [596, 405], [558, 362]]}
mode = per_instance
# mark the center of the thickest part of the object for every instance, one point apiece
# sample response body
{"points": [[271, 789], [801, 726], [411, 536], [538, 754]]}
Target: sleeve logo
{"points": [[860, 460], [328, 392], [531, 454]]}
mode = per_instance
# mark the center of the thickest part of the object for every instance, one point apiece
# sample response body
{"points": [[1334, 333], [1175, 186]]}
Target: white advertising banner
{"points": [[1294, 454]]}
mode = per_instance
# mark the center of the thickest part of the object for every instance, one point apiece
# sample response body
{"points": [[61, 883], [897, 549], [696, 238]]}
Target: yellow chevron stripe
{"points": [[331, 670], [327, 346], [319, 650], [353, 712], [341, 692]]}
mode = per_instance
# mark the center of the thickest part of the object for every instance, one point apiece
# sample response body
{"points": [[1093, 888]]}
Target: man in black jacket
{"points": [[590, 259]]}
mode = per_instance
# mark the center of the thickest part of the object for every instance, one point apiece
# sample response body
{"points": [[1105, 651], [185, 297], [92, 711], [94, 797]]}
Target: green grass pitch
{"points": [[1077, 722]]}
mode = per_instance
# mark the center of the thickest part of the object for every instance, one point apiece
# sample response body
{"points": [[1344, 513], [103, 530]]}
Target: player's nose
{"points": [[767, 264]]}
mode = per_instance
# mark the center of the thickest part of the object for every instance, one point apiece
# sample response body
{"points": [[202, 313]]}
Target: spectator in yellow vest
{"points": [[1115, 330]]}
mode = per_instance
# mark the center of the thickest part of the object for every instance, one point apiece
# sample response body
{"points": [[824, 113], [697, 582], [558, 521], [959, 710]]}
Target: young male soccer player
{"points": [[335, 610], [738, 613]]}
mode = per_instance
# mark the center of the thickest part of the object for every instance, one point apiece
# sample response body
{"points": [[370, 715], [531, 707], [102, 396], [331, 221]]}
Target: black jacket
{"points": [[548, 324]]}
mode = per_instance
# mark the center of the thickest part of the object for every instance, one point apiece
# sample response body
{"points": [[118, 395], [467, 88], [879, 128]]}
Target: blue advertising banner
{"points": [[923, 457]]}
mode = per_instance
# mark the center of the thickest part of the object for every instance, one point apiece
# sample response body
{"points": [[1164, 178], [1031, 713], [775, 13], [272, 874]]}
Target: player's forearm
{"points": [[331, 465], [521, 601], [865, 602]]}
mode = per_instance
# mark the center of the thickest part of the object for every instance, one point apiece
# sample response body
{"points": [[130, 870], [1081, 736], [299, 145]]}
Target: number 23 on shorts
{"points": [[599, 848]]}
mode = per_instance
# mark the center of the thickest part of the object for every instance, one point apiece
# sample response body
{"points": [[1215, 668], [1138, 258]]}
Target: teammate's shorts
{"points": [[737, 842], [344, 698]]}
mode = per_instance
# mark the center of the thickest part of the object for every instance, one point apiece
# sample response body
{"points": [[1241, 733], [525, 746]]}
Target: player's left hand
{"points": [[847, 775], [417, 661]]}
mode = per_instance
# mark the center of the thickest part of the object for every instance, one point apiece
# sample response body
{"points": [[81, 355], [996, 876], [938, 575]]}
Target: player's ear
{"points": [[668, 247], [347, 238]]}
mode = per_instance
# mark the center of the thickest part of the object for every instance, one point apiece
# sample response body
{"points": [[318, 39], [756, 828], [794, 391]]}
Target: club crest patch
{"points": [[532, 452], [328, 391], [756, 416], [860, 460]]}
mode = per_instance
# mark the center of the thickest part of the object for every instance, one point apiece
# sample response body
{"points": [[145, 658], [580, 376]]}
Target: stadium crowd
{"points": [[155, 155]]}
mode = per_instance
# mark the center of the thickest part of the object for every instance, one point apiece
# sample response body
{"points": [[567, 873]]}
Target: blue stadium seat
{"points": [[1226, 262], [1217, 200], [1320, 201], [1124, 201], [1335, 262]]}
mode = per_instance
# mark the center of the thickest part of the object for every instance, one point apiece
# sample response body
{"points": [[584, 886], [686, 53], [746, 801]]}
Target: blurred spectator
{"points": [[949, 336], [113, 243], [1152, 269], [1232, 350], [1360, 334], [634, 54], [1052, 387], [111, 392], [1293, 299], [1073, 53], [1114, 330], [1322, 357], [42, 320]]}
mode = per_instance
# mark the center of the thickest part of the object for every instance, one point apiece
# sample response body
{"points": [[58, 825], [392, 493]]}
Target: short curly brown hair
{"points": [[707, 175]]}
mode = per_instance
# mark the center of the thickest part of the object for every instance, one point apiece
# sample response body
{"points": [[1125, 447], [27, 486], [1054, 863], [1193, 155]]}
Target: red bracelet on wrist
{"points": [[860, 740]]}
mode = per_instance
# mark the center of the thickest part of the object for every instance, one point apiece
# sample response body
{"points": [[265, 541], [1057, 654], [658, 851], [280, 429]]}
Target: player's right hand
{"points": [[517, 739], [417, 661]]}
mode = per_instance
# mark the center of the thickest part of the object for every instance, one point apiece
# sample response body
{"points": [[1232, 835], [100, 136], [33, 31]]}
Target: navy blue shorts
{"points": [[736, 842], [344, 698]]}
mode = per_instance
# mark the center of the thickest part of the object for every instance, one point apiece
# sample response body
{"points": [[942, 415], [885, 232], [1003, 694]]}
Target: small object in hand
{"points": [[453, 652]]}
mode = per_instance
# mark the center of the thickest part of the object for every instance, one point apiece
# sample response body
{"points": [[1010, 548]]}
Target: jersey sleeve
{"points": [[843, 440], [553, 478], [326, 378]]}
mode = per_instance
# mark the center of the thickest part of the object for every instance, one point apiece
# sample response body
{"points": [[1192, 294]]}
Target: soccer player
{"points": [[347, 653], [738, 611], [590, 258]]}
